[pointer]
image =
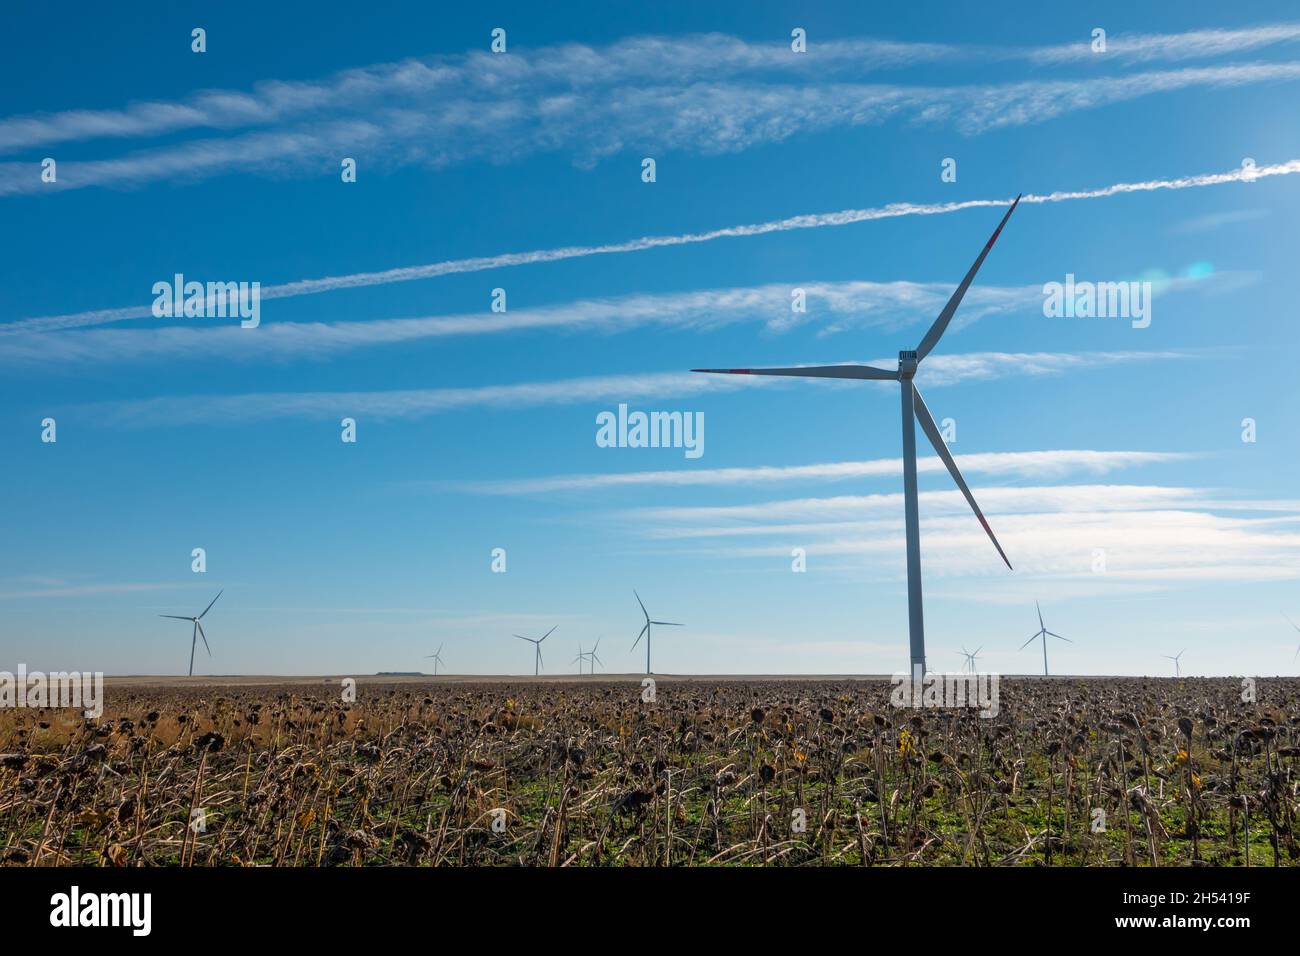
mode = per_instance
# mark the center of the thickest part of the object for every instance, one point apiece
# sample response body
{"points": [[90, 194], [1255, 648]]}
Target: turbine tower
{"points": [[198, 629], [1177, 659], [537, 645], [913, 408], [645, 631], [437, 659], [1044, 633]]}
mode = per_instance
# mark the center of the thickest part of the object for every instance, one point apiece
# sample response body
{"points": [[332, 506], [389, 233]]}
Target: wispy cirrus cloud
{"points": [[807, 221], [1148, 47], [551, 72], [589, 125], [62, 589], [1021, 464], [831, 306], [1215, 220], [421, 403]]}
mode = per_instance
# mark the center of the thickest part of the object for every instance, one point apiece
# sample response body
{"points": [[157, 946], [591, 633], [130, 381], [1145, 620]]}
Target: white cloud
{"points": [[432, 126], [551, 73], [1194, 44], [1214, 220], [1024, 464], [807, 221], [834, 306], [1151, 535], [65, 590], [421, 403]]}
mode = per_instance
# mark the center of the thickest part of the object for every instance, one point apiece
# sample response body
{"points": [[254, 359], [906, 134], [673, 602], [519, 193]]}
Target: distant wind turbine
{"points": [[913, 408], [645, 631], [970, 657], [437, 659], [1297, 627], [579, 659], [593, 659], [1176, 658], [1044, 633], [537, 645], [198, 629]]}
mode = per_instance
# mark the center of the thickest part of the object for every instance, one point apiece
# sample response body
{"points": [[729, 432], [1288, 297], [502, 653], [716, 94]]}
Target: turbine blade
{"points": [[642, 603], [177, 617], [941, 323], [546, 635], [669, 623], [932, 432], [598, 660], [1060, 638], [1292, 623], [214, 601], [204, 636], [522, 638], [641, 635], [1040, 615], [1031, 640], [540, 660], [814, 371]]}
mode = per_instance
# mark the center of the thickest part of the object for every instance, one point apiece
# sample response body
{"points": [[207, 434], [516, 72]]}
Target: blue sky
{"points": [[477, 430]]}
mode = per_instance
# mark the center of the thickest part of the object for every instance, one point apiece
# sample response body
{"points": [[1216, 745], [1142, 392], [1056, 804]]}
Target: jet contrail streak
{"points": [[807, 221]]}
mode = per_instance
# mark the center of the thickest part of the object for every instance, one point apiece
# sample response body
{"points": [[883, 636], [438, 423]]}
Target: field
{"points": [[584, 772]]}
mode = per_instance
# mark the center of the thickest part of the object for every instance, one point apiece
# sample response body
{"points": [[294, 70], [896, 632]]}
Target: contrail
{"points": [[807, 221]]}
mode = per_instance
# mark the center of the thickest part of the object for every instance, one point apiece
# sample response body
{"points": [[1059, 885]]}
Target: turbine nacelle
{"points": [[907, 363]]}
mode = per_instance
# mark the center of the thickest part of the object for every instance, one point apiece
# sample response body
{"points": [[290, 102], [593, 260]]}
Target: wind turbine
{"points": [[645, 631], [593, 659], [198, 629], [537, 643], [1176, 658], [970, 657], [579, 659], [913, 407], [437, 659], [1297, 627], [1044, 633]]}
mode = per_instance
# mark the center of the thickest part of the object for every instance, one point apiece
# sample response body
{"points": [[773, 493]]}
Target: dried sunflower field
{"points": [[781, 772]]}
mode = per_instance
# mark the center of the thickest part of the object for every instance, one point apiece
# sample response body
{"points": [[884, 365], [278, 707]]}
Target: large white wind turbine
{"points": [[913, 408], [1044, 633], [437, 659], [198, 629], [645, 631], [1177, 659], [537, 644]]}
